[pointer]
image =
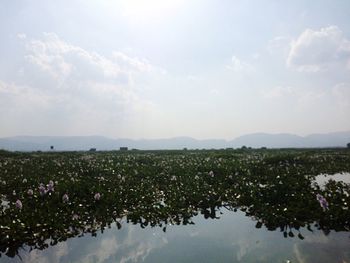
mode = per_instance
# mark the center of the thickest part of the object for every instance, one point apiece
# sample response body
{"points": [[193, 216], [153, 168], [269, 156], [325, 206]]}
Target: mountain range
{"points": [[255, 140]]}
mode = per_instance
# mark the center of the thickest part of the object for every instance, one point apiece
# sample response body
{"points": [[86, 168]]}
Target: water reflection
{"points": [[323, 179], [230, 239]]}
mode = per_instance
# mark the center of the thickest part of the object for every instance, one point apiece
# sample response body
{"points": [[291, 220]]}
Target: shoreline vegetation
{"points": [[48, 197]]}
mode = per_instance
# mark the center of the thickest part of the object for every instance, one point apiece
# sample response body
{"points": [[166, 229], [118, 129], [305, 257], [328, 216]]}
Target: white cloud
{"points": [[130, 63], [299, 97], [54, 256], [127, 246], [332, 100], [256, 55], [214, 91], [279, 44], [70, 89], [341, 92], [61, 59], [107, 248], [321, 50], [238, 65], [277, 92], [23, 97], [21, 35]]}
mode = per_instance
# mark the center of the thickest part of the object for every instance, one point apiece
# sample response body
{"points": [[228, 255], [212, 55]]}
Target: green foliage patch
{"points": [[49, 197]]}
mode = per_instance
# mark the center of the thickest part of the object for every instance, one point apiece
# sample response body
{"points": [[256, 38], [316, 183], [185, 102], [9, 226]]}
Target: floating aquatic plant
{"points": [[323, 202], [19, 204], [72, 194]]}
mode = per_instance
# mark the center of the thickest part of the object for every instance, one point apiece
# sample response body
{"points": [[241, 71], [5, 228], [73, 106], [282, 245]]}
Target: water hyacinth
{"points": [[65, 198], [97, 196], [323, 202], [42, 189], [50, 186], [164, 192], [19, 204]]}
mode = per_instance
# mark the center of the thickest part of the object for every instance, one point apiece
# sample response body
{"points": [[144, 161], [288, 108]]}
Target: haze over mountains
{"points": [[256, 140]]}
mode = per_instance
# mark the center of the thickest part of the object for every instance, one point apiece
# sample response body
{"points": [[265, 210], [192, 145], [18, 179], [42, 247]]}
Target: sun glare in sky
{"points": [[151, 10], [167, 68]]}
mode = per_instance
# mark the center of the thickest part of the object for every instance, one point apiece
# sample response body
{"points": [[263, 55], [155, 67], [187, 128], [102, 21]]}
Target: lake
{"points": [[232, 238], [206, 207]]}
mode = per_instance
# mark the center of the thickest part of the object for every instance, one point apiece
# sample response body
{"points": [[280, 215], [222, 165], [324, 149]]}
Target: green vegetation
{"points": [[49, 197]]}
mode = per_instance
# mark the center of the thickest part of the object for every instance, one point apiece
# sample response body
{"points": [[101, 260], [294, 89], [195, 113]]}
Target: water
{"points": [[232, 238], [322, 179]]}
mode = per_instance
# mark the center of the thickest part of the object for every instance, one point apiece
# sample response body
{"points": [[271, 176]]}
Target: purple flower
{"points": [[65, 198], [97, 196], [323, 202], [50, 186], [30, 192], [42, 190], [19, 204]]}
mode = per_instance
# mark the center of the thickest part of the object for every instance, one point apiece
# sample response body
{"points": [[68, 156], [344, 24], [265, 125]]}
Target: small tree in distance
{"points": [[348, 145]]}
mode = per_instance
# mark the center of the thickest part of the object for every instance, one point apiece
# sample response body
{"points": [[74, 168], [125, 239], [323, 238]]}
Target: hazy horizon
{"points": [[180, 136], [162, 69]]}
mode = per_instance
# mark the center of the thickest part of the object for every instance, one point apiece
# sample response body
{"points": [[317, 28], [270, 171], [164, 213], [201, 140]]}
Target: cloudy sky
{"points": [[165, 68]]}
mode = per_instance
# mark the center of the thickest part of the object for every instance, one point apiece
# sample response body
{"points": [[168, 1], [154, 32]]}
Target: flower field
{"points": [[47, 198]]}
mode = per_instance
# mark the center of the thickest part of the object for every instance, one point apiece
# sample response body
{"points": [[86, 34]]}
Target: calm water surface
{"points": [[232, 238], [322, 179]]}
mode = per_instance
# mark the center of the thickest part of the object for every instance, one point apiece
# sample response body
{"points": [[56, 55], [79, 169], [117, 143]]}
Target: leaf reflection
{"points": [[87, 193]]}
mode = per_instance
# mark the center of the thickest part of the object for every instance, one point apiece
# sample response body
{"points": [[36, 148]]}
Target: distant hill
{"points": [[256, 140], [285, 140]]}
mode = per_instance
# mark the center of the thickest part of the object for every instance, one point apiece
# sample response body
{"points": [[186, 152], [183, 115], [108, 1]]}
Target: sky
{"points": [[167, 68]]}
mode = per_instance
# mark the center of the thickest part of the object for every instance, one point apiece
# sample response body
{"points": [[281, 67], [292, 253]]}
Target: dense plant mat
{"points": [[49, 197]]}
